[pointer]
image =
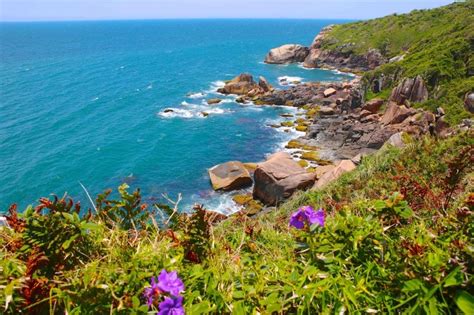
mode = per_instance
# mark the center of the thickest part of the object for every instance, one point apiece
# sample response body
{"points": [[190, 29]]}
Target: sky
{"points": [[56, 10]]}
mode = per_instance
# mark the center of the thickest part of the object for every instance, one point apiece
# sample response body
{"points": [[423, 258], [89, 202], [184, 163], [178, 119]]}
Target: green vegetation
{"points": [[398, 237], [437, 44]]}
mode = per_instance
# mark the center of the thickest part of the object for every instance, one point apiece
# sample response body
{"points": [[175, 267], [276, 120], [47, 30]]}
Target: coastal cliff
{"points": [[385, 224], [436, 45]]}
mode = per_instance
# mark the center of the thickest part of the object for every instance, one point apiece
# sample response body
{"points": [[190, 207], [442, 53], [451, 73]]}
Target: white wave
{"points": [[176, 112], [301, 66], [95, 99], [215, 86], [192, 111], [150, 86], [344, 73], [196, 95], [217, 201], [289, 81]]}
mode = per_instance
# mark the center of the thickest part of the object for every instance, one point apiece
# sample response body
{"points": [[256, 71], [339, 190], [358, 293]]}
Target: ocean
{"points": [[82, 102]]}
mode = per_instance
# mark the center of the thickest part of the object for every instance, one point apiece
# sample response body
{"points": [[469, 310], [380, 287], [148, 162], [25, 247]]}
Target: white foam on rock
{"points": [[289, 81]]}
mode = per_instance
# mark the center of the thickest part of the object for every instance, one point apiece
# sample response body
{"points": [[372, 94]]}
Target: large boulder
{"points": [[373, 106], [287, 54], [342, 167], [240, 85], [412, 90], [230, 176], [396, 114], [279, 177], [263, 83]]}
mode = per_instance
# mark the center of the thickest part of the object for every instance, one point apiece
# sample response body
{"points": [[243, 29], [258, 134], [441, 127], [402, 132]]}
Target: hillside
{"points": [[437, 44], [396, 235]]}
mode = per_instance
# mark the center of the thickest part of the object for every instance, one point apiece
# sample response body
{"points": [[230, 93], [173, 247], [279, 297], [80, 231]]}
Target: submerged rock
{"points": [[230, 176], [278, 178], [287, 54]]}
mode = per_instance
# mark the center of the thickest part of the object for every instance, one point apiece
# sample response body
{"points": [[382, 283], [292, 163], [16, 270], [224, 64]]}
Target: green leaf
{"points": [[454, 278], [465, 302]]}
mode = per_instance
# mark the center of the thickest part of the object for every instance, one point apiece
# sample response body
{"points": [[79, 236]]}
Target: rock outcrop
{"points": [[396, 114], [340, 56], [469, 102], [230, 176], [278, 178], [239, 85], [287, 54], [245, 86], [342, 167], [411, 90], [373, 106]]}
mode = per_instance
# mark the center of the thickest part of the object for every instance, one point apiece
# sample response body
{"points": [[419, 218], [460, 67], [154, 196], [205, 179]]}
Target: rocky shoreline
{"points": [[340, 125]]}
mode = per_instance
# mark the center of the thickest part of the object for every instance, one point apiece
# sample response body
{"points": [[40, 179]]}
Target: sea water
{"points": [[82, 102]]}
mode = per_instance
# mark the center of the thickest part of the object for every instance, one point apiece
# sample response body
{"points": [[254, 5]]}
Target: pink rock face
{"points": [[230, 176], [279, 177], [396, 114], [342, 167], [412, 90], [287, 54], [329, 92], [373, 106]]}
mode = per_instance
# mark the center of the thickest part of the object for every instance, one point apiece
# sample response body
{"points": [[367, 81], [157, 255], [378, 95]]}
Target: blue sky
{"points": [[46, 10]]}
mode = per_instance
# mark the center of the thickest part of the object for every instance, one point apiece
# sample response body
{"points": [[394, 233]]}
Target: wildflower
{"points": [[170, 282], [307, 215], [172, 306], [151, 292]]}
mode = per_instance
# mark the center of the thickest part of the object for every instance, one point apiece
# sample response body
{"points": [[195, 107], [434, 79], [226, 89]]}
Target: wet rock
{"points": [[230, 176], [240, 85], [264, 85], [278, 178], [213, 101], [287, 54]]}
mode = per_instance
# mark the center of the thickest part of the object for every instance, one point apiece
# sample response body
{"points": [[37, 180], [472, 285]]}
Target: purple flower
{"points": [[151, 292], [307, 215], [317, 217], [170, 282], [172, 306]]}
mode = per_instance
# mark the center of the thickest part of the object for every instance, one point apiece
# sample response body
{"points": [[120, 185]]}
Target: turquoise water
{"points": [[80, 102]]}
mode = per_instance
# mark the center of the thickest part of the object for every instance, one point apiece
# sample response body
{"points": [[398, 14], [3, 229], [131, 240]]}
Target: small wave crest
{"points": [[196, 95]]}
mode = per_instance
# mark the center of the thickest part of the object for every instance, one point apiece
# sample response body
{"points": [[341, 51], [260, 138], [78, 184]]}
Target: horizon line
{"points": [[181, 19]]}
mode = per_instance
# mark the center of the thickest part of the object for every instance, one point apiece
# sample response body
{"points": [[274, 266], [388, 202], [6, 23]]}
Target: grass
{"points": [[398, 237]]}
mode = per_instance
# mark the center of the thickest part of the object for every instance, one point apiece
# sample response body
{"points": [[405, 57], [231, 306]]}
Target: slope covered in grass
{"points": [[437, 44], [397, 237]]}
